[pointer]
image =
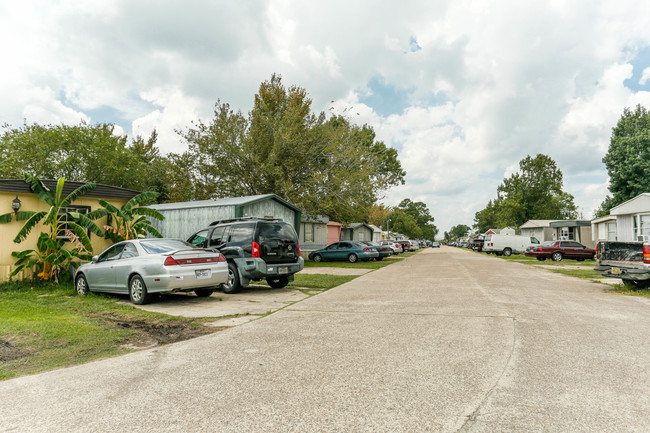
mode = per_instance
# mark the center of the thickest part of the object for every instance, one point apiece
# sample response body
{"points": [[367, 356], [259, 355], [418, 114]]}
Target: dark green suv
{"points": [[255, 248]]}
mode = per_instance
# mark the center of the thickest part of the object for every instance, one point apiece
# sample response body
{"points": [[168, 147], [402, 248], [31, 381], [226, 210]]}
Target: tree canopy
{"points": [[534, 192], [324, 166], [85, 153], [628, 158]]}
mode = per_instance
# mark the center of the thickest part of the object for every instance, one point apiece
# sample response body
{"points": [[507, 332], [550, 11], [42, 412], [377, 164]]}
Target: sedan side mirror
{"points": [[95, 259]]}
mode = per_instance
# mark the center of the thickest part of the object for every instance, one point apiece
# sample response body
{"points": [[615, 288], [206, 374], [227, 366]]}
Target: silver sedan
{"points": [[144, 266]]}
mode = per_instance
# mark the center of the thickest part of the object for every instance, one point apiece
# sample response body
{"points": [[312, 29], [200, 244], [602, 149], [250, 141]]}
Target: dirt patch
{"points": [[147, 333], [10, 352]]}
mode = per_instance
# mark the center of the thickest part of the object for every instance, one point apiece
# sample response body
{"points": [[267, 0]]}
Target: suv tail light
{"points": [[298, 249], [596, 258], [256, 249], [646, 254]]}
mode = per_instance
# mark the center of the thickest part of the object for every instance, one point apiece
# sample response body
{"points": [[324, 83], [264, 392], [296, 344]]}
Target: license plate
{"points": [[203, 273], [616, 271], [283, 270]]}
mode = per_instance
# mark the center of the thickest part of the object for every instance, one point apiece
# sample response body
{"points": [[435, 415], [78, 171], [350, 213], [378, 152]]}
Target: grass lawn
{"points": [[43, 327], [320, 281], [586, 274], [533, 261]]}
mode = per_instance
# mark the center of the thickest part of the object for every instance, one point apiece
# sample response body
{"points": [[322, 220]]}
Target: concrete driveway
{"points": [[444, 341]]}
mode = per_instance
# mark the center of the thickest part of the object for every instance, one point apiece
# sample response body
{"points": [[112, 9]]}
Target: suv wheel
{"points": [[278, 282], [232, 285]]}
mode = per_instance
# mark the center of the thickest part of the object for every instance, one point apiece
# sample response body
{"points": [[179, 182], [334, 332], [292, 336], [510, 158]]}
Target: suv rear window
{"points": [[276, 230]]}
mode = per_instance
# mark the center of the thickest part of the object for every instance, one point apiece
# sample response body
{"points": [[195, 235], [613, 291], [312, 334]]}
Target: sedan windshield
{"points": [[157, 246]]}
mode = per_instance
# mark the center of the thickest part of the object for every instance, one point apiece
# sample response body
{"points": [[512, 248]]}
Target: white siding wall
{"points": [[625, 228]]}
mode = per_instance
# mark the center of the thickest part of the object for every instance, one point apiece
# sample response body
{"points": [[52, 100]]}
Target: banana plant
{"points": [[130, 221], [51, 255]]}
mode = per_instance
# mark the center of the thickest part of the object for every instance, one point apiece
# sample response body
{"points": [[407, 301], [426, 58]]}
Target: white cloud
{"points": [[491, 83]]}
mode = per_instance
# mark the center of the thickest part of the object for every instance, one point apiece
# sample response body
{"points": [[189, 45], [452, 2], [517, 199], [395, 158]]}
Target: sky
{"points": [[463, 90]]}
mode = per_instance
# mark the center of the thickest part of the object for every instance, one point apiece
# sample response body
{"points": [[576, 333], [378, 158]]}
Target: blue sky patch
{"points": [[640, 61], [385, 98]]}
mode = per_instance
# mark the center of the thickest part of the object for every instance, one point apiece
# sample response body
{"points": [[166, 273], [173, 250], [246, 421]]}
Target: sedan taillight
{"points": [[646, 254], [170, 261], [366, 249]]}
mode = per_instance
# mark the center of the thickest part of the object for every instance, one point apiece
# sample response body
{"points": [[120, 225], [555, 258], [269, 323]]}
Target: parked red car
{"points": [[558, 250]]}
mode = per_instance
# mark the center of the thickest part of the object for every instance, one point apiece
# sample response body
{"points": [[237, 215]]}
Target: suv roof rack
{"points": [[248, 218]]}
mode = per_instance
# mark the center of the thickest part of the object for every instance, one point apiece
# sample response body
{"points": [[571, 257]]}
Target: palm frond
{"points": [[81, 234], [97, 214], [86, 222], [59, 189], [24, 215], [28, 226], [108, 206], [83, 189], [153, 213], [6, 218], [39, 188], [143, 197]]}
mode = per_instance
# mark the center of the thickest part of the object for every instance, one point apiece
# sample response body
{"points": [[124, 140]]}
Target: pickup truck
{"points": [[629, 261]]}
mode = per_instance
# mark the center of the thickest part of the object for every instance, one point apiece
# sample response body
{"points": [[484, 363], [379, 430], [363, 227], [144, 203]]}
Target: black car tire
{"points": [[318, 258], [380, 259], [352, 258], [557, 256], [507, 252], [81, 285], [138, 291], [278, 282], [636, 285], [541, 259], [232, 285], [203, 293]]}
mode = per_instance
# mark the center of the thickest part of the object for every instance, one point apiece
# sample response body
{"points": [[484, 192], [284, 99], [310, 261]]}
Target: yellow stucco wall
{"points": [[29, 202]]}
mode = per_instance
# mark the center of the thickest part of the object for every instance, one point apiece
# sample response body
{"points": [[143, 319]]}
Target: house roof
{"points": [[533, 224], [100, 191], [603, 219], [355, 226], [571, 223], [374, 228], [640, 203], [229, 201]]}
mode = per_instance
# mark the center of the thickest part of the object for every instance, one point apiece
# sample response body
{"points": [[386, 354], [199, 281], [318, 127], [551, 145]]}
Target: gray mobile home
{"points": [[184, 218]]}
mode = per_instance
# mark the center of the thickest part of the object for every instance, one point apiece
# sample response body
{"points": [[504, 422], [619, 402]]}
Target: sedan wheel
{"points": [[82, 285], [352, 258], [138, 291], [318, 258], [557, 256]]}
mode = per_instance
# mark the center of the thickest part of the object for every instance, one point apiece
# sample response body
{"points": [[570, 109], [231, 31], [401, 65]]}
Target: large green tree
{"points": [[534, 192], [325, 166], [420, 212], [85, 153], [628, 158]]}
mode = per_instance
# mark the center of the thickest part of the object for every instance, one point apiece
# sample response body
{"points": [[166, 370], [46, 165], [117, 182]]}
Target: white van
{"points": [[507, 245]]}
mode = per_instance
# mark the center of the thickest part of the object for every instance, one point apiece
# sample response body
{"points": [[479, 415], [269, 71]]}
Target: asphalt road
{"points": [[445, 341]]}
